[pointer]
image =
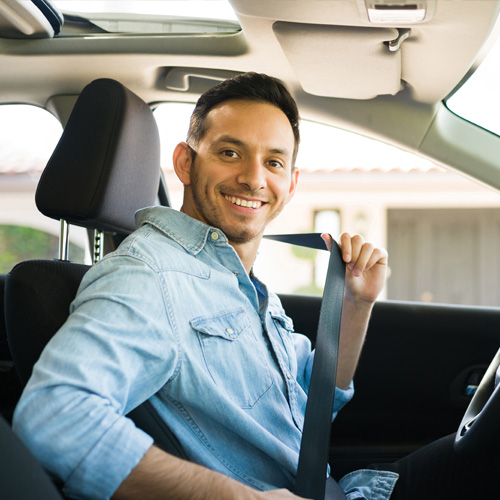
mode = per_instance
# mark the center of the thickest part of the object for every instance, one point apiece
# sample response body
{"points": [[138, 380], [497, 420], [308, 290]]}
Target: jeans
{"points": [[435, 472]]}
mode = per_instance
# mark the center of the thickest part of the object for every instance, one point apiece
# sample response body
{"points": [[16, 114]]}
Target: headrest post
{"points": [[64, 240], [98, 245]]}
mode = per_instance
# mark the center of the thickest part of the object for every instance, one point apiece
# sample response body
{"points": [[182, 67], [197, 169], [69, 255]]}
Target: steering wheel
{"points": [[479, 431]]}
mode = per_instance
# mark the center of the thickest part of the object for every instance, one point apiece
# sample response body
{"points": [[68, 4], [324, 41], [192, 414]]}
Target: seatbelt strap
{"points": [[315, 445]]}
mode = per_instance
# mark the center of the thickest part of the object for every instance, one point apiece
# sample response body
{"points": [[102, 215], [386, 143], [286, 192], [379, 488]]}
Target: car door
{"points": [[415, 378]]}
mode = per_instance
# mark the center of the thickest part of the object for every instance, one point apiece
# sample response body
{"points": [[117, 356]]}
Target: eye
{"points": [[229, 153], [276, 164]]}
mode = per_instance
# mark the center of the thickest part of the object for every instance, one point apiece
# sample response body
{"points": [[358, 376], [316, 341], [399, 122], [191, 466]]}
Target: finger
{"points": [[378, 256], [357, 242], [364, 255], [346, 247], [327, 238]]}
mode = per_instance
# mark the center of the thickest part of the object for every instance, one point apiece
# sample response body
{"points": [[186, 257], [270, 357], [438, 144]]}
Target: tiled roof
{"points": [[380, 169]]}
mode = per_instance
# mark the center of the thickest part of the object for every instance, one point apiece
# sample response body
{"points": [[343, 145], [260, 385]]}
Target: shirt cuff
{"points": [[342, 397], [369, 484], [121, 449]]}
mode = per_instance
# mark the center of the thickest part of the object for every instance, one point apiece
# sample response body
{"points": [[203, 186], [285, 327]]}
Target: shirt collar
{"points": [[190, 233]]}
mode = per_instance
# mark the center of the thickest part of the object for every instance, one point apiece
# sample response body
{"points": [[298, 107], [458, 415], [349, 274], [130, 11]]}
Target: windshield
{"points": [[477, 100]]}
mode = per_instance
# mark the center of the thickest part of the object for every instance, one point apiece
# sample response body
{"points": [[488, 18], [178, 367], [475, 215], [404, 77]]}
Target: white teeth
{"points": [[243, 203]]}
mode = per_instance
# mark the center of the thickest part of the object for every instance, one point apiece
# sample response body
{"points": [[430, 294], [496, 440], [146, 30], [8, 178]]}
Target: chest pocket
{"points": [[234, 356]]}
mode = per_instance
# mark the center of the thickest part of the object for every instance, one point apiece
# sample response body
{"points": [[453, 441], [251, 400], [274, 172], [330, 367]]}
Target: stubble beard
{"points": [[235, 233]]}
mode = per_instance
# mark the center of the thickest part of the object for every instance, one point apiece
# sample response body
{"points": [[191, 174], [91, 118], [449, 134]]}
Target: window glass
{"points": [[325, 221], [173, 122], [475, 99], [153, 16], [199, 9], [28, 136], [424, 215], [19, 243]]}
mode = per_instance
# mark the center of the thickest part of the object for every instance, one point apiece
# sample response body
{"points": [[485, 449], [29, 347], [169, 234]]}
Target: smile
{"points": [[243, 203]]}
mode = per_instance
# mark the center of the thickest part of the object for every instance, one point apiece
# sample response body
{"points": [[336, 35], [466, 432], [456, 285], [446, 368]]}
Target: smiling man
{"points": [[176, 316], [239, 182]]}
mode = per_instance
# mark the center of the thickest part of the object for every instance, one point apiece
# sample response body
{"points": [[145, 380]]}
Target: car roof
{"points": [[336, 62]]}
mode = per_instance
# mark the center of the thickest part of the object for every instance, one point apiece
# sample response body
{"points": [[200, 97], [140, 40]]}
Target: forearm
{"points": [[365, 278], [355, 318], [162, 476]]}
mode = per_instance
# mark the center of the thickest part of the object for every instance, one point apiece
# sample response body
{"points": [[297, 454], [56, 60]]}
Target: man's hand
{"points": [[277, 495], [366, 267]]}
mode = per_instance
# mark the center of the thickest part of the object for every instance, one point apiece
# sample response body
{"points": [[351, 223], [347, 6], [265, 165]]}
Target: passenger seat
{"points": [[105, 167]]}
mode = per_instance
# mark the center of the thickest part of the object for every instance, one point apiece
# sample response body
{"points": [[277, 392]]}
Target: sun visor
{"points": [[342, 61]]}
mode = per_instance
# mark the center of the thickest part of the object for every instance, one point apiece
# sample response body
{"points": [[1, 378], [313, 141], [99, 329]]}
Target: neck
{"points": [[247, 252]]}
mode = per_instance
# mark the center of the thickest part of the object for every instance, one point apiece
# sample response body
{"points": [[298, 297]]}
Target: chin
{"points": [[241, 236]]}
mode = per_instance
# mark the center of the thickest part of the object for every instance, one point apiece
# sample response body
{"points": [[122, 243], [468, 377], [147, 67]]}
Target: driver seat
{"points": [[105, 167]]}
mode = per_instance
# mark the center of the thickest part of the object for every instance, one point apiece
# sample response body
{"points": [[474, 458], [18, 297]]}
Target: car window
{"points": [[28, 136], [432, 220], [153, 16], [473, 100]]}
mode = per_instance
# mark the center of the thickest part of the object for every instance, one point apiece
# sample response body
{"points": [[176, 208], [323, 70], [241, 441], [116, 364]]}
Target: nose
{"points": [[252, 175]]}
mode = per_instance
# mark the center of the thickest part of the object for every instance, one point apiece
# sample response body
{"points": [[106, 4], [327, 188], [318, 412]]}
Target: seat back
{"points": [[4, 348], [37, 301], [104, 168], [22, 477], [10, 389]]}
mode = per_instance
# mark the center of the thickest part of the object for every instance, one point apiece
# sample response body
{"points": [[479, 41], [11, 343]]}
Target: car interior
{"points": [[383, 69]]}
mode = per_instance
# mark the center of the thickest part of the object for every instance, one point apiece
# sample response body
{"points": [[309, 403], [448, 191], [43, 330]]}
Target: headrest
{"points": [[106, 165]]}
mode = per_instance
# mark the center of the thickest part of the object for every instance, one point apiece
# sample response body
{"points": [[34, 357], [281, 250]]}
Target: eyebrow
{"points": [[227, 139]]}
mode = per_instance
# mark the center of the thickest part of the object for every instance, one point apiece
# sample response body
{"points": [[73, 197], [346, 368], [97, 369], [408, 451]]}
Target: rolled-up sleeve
{"points": [[92, 452], [111, 355]]}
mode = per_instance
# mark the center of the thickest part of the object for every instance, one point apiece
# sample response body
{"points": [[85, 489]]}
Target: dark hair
{"points": [[248, 86]]}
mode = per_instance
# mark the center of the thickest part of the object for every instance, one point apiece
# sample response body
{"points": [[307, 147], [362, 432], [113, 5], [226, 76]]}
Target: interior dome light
{"points": [[396, 12]]}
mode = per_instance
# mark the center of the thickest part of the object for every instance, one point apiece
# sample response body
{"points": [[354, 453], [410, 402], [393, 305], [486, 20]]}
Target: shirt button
{"points": [[214, 236], [229, 331], [288, 375]]}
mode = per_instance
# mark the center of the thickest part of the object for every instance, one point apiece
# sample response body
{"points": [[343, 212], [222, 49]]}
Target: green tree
{"points": [[18, 243]]}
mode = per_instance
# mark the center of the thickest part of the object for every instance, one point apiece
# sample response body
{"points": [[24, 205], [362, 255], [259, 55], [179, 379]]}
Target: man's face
{"points": [[241, 177]]}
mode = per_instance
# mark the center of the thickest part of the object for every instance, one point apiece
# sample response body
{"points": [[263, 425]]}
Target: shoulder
{"points": [[150, 246]]}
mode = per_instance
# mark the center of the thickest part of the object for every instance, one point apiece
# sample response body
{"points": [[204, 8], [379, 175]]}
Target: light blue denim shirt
{"points": [[173, 317]]}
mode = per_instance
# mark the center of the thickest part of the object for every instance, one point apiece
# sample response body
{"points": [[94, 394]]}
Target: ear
{"points": [[293, 184], [182, 163]]}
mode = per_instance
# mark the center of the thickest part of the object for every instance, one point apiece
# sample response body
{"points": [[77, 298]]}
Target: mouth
{"points": [[243, 203]]}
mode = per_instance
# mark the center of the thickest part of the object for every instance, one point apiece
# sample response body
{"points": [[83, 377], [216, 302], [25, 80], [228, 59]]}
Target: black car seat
{"points": [[10, 388], [21, 476], [104, 168]]}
